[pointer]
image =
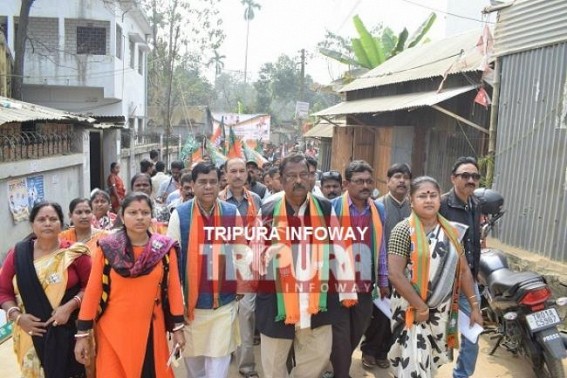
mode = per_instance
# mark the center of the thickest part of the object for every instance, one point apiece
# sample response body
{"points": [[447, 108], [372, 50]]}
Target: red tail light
{"points": [[535, 297]]}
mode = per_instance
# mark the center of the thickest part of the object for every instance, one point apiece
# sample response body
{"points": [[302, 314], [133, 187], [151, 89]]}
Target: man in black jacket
{"points": [[460, 205], [288, 323]]}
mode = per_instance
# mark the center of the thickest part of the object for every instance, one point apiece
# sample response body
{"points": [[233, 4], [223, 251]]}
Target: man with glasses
{"points": [[294, 312], [357, 211], [206, 264], [331, 184], [378, 336], [461, 205]]}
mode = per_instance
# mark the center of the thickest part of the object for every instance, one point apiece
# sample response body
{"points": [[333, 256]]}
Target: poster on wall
{"points": [[35, 190], [23, 193], [18, 199]]}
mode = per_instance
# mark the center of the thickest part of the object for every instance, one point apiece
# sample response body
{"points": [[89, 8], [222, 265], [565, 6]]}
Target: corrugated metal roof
{"points": [[322, 130], [18, 111], [393, 103], [530, 24], [450, 55]]}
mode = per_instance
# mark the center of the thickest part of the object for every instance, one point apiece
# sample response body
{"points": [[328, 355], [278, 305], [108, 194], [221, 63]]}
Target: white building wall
{"points": [[58, 77]]}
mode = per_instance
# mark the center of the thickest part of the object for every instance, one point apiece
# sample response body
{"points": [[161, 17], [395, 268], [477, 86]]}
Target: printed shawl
{"points": [[377, 233], [284, 270], [420, 258], [195, 254], [118, 251]]}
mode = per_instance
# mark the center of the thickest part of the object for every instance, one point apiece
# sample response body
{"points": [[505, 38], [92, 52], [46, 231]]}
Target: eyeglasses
{"points": [[334, 175], [363, 181], [466, 176]]}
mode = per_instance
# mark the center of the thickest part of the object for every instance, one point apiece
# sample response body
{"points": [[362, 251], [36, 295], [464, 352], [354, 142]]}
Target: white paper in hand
{"points": [[471, 333], [383, 304]]}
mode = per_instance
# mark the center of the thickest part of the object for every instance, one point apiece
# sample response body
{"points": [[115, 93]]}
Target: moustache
{"points": [[299, 186]]}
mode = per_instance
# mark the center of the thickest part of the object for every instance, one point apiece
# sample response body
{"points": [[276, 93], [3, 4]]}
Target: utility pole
{"points": [[302, 77]]}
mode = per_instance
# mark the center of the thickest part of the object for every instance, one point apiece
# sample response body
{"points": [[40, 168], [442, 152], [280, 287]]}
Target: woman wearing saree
{"points": [[103, 218], [141, 284], [427, 269], [41, 287], [82, 231]]}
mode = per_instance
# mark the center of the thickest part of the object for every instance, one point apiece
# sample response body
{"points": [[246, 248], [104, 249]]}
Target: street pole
{"points": [[493, 125]]}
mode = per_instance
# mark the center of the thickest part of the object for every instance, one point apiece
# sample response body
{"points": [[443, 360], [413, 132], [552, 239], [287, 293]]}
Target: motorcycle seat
{"points": [[506, 282]]}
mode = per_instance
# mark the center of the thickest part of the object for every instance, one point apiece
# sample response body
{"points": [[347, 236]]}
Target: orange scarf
{"points": [[70, 234], [284, 269], [376, 228], [194, 257], [420, 259], [252, 210]]}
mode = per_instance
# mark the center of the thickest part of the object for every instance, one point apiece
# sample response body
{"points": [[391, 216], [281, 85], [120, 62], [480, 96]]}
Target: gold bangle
{"points": [[472, 296], [17, 321]]}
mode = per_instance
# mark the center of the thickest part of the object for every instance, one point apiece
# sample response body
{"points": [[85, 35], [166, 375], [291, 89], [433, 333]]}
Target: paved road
{"points": [[501, 365]]}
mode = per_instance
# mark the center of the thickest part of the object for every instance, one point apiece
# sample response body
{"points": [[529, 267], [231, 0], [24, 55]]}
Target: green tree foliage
{"points": [[183, 34], [278, 88], [374, 47]]}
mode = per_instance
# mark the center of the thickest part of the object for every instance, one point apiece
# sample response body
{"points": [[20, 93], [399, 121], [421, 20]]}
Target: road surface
{"points": [[501, 365]]}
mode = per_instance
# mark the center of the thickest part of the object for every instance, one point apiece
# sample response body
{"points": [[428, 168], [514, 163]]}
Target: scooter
{"points": [[520, 304]]}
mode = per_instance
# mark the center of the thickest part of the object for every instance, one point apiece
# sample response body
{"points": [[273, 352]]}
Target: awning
{"points": [[18, 111], [322, 130], [393, 103]]}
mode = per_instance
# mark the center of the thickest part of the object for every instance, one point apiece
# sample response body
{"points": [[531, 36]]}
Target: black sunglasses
{"points": [[467, 175]]}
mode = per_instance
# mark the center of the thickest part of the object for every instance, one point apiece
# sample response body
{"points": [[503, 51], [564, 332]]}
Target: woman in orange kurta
{"points": [[82, 231], [132, 324]]}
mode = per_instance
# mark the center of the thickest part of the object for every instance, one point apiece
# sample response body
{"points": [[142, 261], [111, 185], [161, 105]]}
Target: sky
{"points": [[287, 26]]}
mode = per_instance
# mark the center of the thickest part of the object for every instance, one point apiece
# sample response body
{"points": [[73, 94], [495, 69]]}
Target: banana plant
{"points": [[371, 51]]}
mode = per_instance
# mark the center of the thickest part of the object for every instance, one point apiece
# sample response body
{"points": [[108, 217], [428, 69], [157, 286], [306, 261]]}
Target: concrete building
{"points": [[86, 57]]}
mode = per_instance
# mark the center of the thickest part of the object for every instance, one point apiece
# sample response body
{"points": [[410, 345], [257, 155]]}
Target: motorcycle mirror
{"points": [[562, 301]]}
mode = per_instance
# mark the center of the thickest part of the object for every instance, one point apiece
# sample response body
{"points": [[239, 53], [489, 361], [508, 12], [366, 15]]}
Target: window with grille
{"points": [[91, 40]]}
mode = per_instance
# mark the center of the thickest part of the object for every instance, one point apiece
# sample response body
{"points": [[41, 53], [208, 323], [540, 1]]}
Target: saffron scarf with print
{"points": [[376, 229], [420, 259], [118, 251], [252, 210], [284, 269], [195, 254]]}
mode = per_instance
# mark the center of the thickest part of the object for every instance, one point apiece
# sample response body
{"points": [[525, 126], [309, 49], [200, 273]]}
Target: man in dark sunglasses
{"points": [[461, 205], [331, 184]]}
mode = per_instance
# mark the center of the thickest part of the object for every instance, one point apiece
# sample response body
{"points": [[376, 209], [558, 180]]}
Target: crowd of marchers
{"points": [[135, 285]]}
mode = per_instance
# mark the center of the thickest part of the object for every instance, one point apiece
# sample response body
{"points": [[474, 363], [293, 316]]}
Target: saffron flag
{"points": [[234, 146]]}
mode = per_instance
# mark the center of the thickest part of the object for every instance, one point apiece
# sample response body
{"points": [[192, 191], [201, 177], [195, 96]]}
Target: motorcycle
{"points": [[519, 304]]}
